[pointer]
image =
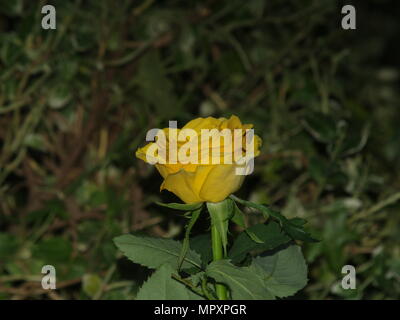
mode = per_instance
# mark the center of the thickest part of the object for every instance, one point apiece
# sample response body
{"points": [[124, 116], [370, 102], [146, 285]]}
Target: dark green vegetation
{"points": [[76, 103]]}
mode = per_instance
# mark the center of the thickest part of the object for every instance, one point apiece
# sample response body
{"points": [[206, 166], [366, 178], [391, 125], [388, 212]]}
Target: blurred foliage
{"points": [[76, 102]]}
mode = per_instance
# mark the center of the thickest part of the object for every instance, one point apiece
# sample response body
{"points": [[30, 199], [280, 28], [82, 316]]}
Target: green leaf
{"points": [[281, 273], [185, 245], [197, 278], [291, 226], [253, 236], [238, 216], [154, 252], [298, 221], [244, 283], [286, 271], [220, 213], [161, 286], [202, 245], [297, 232], [270, 235], [181, 206]]}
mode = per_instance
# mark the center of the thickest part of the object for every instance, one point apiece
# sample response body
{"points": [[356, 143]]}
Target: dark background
{"points": [[76, 102]]}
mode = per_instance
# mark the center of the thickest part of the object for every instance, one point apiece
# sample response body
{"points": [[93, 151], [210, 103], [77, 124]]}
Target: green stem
{"points": [[207, 293], [218, 254]]}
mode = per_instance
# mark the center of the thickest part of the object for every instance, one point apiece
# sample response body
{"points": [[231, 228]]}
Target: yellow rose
{"points": [[204, 167]]}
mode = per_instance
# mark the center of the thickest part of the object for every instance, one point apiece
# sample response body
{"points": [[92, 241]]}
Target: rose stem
{"points": [[218, 255]]}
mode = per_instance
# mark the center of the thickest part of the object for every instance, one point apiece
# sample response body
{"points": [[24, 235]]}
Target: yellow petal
{"points": [[234, 123], [221, 182], [203, 123], [141, 152], [257, 145], [181, 184]]}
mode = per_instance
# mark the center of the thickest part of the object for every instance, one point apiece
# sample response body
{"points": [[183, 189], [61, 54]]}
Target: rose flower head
{"points": [[206, 160]]}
